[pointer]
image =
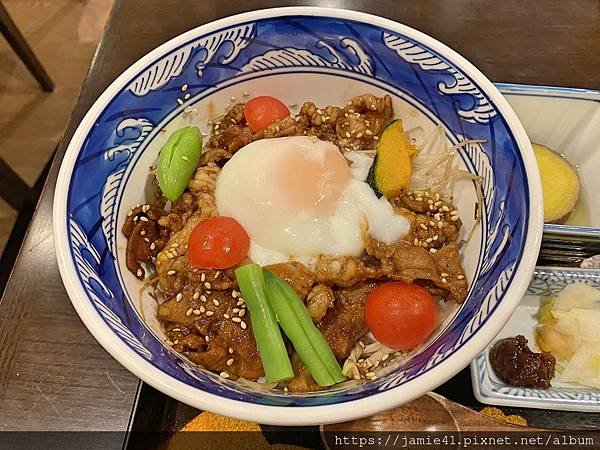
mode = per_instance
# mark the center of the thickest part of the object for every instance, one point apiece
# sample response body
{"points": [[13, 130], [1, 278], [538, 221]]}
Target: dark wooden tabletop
{"points": [[53, 374]]}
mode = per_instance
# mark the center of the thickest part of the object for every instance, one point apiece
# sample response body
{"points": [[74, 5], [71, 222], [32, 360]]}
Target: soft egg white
{"points": [[297, 198]]}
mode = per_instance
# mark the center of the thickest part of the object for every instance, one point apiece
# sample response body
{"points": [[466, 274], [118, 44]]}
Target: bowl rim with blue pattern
{"points": [[86, 203]]}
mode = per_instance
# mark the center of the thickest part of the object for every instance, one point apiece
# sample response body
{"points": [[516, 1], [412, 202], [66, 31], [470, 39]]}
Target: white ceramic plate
{"points": [[489, 389], [567, 121]]}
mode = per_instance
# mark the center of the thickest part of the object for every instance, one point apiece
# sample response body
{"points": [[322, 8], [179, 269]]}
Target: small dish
{"points": [[568, 121], [488, 388]]}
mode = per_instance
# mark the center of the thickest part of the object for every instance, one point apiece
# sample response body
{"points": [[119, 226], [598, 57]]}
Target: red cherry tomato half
{"points": [[217, 243], [400, 315], [260, 112]]}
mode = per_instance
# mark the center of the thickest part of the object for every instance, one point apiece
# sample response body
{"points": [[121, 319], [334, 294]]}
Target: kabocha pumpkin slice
{"points": [[391, 170], [560, 184]]}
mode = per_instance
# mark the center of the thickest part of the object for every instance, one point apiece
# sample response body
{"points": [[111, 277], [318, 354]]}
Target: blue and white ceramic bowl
{"points": [[296, 54]]}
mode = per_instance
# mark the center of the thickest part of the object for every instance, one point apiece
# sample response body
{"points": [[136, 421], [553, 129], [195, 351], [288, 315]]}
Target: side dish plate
{"points": [[489, 389]]}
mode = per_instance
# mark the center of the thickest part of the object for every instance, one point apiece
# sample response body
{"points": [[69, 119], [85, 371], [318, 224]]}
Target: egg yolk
{"points": [[310, 180]]}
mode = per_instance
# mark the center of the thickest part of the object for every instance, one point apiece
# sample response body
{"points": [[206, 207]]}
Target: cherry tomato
{"points": [[217, 243], [260, 112], [400, 315]]}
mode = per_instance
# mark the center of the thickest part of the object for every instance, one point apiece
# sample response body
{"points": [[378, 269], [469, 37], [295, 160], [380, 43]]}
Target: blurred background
{"points": [[63, 35]]}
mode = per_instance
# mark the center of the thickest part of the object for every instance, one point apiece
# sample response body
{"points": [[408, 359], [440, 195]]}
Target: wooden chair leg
{"points": [[22, 49]]}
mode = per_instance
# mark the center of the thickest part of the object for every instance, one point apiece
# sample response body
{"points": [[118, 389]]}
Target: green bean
{"points": [[178, 160], [293, 330], [271, 348], [302, 319]]}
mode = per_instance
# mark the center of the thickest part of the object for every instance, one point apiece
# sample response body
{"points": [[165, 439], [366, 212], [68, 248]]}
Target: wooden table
{"points": [[53, 374]]}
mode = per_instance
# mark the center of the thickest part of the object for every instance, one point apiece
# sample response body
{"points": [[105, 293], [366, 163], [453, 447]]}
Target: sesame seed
{"points": [[443, 274], [215, 302], [416, 242], [206, 338], [152, 246], [217, 273], [319, 111], [202, 309], [224, 375], [368, 132], [207, 285], [445, 208], [139, 272], [419, 199], [285, 389], [203, 276], [227, 316], [208, 292], [428, 240], [203, 298], [362, 344], [199, 72], [243, 325], [180, 101], [242, 313], [454, 212], [176, 329], [185, 158], [179, 297], [169, 342], [229, 362], [375, 138], [236, 319], [189, 312], [461, 277], [430, 202], [196, 295], [245, 94], [384, 357], [370, 374], [444, 280], [423, 226], [145, 208], [424, 244], [432, 250], [129, 213], [436, 204], [184, 88], [209, 313], [234, 293], [453, 218], [437, 217], [144, 219], [197, 312], [186, 96], [230, 350], [440, 225], [359, 135], [171, 272], [432, 223], [235, 310], [348, 134], [240, 302]]}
